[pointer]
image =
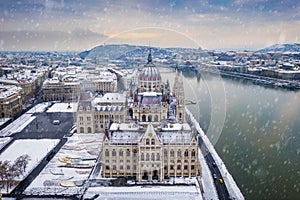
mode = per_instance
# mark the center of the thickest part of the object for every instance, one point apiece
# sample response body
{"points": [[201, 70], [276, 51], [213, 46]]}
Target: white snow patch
{"points": [[63, 107], [4, 141], [17, 125], [80, 149], [39, 108], [145, 192], [3, 120], [36, 149]]}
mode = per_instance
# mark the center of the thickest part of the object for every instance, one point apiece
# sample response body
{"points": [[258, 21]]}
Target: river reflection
{"points": [[259, 140]]}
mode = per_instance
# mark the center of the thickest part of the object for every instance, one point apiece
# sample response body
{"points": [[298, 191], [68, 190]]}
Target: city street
{"points": [[220, 187]]}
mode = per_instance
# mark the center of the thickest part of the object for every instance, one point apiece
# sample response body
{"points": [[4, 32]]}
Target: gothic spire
{"points": [[149, 56]]}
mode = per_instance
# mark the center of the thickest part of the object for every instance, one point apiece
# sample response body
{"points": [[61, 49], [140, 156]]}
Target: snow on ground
{"points": [[3, 120], [4, 141], [69, 168], [63, 107], [36, 149], [39, 108], [208, 183], [144, 192], [21, 122], [231, 185], [18, 125]]}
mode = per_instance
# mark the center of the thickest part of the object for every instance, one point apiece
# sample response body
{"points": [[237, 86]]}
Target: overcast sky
{"points": [[82, 24]]}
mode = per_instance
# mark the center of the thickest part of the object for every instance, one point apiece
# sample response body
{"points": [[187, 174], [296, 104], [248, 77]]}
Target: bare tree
{"points": [[21, 163], [4, 165], [12, 173], [8, 172], [26, 159]]}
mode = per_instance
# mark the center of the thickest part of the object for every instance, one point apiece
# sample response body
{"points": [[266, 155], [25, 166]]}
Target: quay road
{"points": [[213, 167]]}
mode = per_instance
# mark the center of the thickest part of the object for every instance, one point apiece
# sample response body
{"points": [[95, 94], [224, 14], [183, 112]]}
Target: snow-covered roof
{"points": [[125, 137], [9, 91], [109, 108], [124, 127], [131, 133], [110, 98], [150, 94]]}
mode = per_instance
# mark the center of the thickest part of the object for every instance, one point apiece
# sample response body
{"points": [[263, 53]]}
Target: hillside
{"points": [[282, 48]]}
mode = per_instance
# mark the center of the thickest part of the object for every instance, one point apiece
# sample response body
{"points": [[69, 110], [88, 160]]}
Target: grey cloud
{"points": [[79, 39]]}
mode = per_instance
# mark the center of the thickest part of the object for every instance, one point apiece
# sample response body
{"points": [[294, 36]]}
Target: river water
{"points": [[255, 130]]}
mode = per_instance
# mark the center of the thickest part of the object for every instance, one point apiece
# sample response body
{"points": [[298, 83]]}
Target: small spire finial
{"points": [[149, 56]]}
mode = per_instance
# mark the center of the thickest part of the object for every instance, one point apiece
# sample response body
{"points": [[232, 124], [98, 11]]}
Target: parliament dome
{"points": [[149, 77]]}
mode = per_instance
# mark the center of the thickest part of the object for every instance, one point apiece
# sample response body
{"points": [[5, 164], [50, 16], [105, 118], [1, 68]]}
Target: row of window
{"points": [[128, 167], [179, 167], [121, 167], [179, 153], [172, 152], [121, 153], [81, 130], [152, 157]]}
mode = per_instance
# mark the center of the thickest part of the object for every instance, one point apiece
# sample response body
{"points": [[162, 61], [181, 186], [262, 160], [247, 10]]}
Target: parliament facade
{"points": [[153, 140]]}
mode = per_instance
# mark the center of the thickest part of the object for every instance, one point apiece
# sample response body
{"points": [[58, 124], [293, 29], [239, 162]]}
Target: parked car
{"points": [[56, 122], [215, 176]]}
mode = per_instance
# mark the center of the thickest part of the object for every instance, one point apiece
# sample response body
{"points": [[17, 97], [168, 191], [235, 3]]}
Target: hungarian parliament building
{"points": [[146, 135]]}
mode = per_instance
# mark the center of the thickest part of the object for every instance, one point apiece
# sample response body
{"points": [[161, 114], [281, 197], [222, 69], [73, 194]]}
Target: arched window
{"points": [[152, 141], [143, 118], [89, 130], [179, 153], [142, 157], [171, 153], [152, 157], [165, 153], [157, 156], [106, 152], [193, 153], [128, 152], [147, 141], [147, 157], [186, 153], [81, 130], [150, 118]]}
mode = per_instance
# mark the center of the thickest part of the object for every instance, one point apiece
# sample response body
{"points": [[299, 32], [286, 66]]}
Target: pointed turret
{"points": [[178, 92]]}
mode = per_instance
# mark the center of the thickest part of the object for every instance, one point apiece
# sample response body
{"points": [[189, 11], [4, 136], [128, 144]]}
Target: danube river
{"points": [[255, 130]]}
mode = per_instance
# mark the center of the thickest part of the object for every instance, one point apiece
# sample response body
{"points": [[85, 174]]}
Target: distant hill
{"points": [[111, 51], [281, 48], [127, 52]]}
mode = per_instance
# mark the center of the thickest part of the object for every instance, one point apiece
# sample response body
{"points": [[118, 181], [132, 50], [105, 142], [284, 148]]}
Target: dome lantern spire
{"points": [[149, 56]]}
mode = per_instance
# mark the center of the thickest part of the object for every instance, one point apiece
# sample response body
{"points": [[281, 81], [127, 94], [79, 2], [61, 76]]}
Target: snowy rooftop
{"points": [[109, 108], [176, 127], [9, 92], [150, 94], [124, 127], [7, 81], [110, 98], [175, 137], [125, 137], [130, 133]]}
